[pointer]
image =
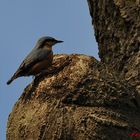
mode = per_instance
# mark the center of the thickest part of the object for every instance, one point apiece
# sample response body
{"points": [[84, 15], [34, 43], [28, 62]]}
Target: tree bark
{"points": [[80, 98], [117, 31]]}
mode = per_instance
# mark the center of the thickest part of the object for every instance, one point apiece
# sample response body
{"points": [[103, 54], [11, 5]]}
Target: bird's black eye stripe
{"points": [[42, 44], [51, 40]]}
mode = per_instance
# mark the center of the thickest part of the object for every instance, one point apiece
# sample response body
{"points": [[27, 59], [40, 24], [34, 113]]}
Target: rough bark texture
{"points": [[81, 98], [117, 31]]}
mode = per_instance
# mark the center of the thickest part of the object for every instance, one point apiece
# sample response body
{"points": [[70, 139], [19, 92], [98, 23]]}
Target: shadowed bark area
{"points": [[80, 98]]}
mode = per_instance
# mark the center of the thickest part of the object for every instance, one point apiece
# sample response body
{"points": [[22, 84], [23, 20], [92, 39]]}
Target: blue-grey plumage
{"points": [[39, 59]]}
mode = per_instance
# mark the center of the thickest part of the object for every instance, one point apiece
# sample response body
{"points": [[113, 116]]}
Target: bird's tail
{"points": [[13, 78], [10, 80]]}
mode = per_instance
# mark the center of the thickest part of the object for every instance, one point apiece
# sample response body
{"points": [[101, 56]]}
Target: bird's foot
{"points": [[40, 75]]}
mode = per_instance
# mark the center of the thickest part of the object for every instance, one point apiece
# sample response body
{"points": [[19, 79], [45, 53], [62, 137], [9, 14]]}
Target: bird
{"points": [[39, 59]]}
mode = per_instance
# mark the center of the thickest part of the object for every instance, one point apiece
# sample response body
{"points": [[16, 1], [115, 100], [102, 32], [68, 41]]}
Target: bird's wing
{"points": [[34, 57]]}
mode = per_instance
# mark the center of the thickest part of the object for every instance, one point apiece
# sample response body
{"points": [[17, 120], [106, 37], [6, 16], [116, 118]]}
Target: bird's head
{"points": [[47, 42]]}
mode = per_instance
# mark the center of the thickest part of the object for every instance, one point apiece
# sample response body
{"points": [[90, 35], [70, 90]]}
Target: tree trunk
{"points": [[81, 98]]}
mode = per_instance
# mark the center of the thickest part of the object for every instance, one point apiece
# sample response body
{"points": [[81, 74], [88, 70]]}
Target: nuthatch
{"points": [[39, 59]]}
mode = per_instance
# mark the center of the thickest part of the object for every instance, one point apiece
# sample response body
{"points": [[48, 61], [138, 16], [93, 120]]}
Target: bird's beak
{"points": [[59, 41]]}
